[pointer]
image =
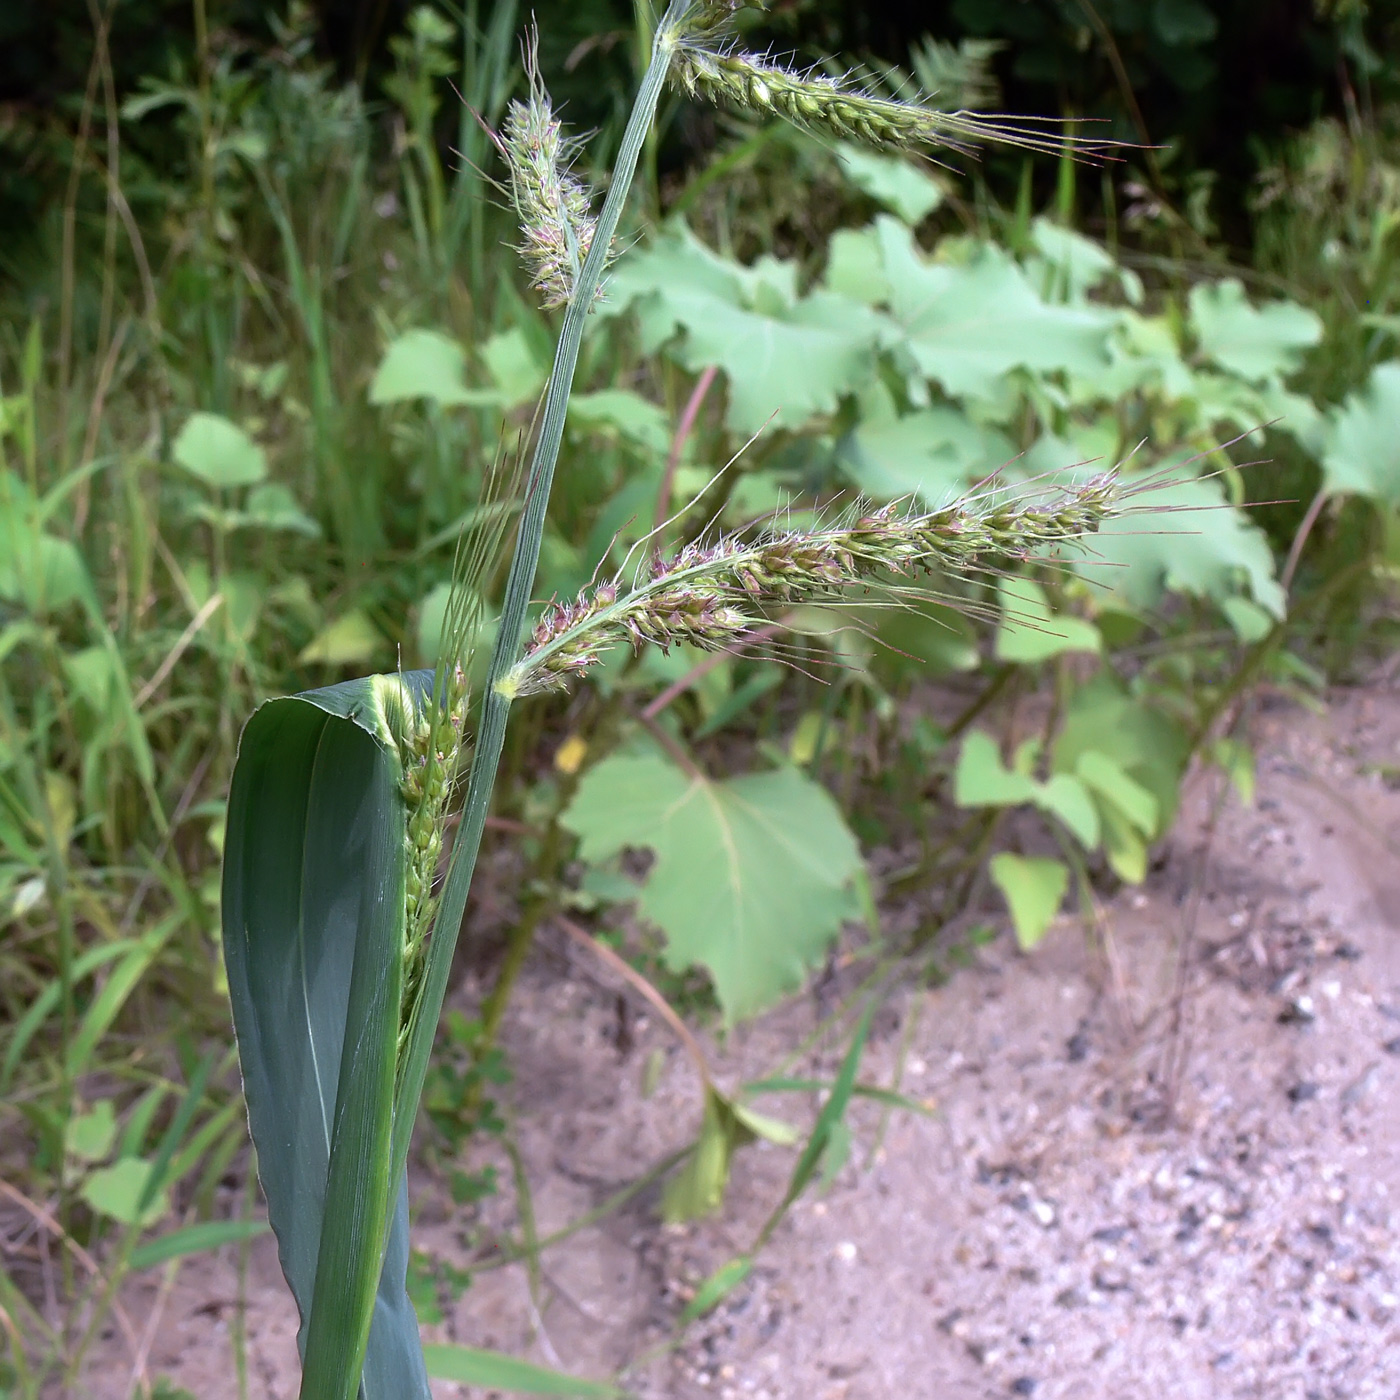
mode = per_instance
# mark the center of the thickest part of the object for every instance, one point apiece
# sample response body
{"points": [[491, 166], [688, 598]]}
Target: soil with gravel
{"points": [[1161, 1160]]}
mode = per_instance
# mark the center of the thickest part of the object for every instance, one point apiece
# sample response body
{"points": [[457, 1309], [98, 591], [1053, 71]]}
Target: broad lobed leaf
{"points": [[753, 875]]}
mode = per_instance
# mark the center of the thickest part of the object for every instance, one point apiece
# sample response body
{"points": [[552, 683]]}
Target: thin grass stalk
{"points": [[495, 709], [487, 78]]}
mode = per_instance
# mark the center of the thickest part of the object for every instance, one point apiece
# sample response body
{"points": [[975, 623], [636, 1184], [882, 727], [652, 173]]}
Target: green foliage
{"points": [[1207, 551], [421, 364], [1361, 450], [1034, 888], [1029, 632], [244, 427], [1256, 343], [698, 1188], [787, 357], [753, 876], [218, 452], [495, 1371], [967, 324]]}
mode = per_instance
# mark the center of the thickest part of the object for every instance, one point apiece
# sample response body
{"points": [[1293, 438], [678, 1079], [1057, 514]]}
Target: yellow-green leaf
{"points": [[1033, 887]]}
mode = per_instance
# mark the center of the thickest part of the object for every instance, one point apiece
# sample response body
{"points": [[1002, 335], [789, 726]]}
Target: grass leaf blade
{"points": [[313, 927], [494, 1370]]}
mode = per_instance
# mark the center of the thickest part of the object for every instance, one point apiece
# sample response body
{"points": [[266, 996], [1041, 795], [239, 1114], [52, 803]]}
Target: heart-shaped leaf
{"points": [[1034, 887], [422, 364], [219, 452], [753, 876]]}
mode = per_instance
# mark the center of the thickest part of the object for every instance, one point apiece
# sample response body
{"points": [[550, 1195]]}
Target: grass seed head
{"points": [[706, 595], [431, 756], [841, 109], [556, 220]]}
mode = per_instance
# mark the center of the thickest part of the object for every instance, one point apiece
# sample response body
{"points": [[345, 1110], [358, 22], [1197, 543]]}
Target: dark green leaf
{"points": [[313, 935]]}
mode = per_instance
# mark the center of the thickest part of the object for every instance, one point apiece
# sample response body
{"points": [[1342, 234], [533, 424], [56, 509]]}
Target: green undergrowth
{"points": [[248, 410]]}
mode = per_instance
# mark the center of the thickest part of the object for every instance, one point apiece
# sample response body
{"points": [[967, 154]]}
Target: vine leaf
{"points": [[219, 452], [1031, 632], [968, 325], [930, 453], [892, 181], [787, 357], [1033, 887], [1256, 343], [422, 364], [753, 876], [982, 780], [1201, 545], [1361, 452]]}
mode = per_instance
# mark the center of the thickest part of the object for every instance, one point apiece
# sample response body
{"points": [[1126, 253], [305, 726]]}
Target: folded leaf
{"points": [[314, 911]]}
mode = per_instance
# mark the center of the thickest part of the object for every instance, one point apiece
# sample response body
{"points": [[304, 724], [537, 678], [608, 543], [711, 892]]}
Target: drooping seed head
{"points": [[702, 595], [839, 108]]}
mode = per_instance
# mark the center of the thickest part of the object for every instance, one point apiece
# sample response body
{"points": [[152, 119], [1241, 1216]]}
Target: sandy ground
{"points": [[1123, 1191]]}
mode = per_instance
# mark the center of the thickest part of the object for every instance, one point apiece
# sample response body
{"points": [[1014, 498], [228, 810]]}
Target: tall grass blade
{"points": [[194, 1239]]}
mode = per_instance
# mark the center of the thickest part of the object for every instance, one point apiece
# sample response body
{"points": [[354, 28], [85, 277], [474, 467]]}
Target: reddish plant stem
{"points": [[1295, 552], [683, 430], [703, 668]]}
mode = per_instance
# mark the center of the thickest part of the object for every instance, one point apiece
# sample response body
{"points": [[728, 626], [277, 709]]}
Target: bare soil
{"points": [[1163, 1161]]}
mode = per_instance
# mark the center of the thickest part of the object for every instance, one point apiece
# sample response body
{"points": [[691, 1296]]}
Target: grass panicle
{"points": [[708, 594], [553, 206], [432, 740], [432, 760], [847, 111]]}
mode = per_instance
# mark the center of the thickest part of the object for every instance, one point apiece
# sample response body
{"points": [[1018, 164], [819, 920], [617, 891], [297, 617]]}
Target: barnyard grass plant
{"points": [[337, 937]]}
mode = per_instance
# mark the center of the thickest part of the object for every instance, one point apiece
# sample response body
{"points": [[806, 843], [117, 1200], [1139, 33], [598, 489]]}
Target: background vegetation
{"points": [[263, 328]]}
